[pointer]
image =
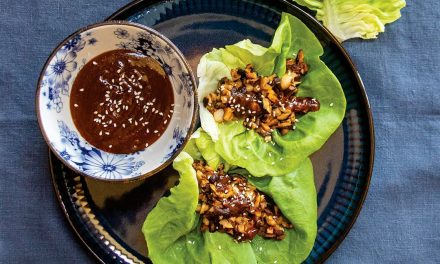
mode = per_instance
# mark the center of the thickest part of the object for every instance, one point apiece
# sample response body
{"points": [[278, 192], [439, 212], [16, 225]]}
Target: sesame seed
{"points": [[100, 133], [94, 63], [219, 247], [155, 131], [81, 90], [123, 125], [110, 146], [75, 105], [107, 133], [331, 104]]}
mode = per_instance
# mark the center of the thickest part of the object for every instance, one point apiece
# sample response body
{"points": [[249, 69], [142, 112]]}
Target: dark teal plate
{"points": [[108, 216]]}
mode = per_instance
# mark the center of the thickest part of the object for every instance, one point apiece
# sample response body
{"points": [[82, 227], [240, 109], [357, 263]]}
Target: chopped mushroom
{"points": [[230, 204], [265, 103]]}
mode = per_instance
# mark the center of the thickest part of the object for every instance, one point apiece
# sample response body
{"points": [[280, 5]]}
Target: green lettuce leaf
{"points": [[247, 149], [172, 228], [348, 19]]}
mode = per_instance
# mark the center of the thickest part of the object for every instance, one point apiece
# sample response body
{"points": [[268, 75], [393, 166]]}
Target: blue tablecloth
{"points": [[400, 221]]}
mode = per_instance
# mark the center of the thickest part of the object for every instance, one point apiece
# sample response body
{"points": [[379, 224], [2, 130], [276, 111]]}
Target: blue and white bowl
{"points": [[53, 108]]}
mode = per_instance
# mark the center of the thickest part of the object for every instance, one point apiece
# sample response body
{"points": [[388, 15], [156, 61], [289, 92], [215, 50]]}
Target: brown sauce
{"points": [[121, 101]]}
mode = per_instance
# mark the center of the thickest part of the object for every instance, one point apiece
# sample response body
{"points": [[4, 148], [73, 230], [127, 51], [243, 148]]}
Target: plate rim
{"points": [[138, 4]]}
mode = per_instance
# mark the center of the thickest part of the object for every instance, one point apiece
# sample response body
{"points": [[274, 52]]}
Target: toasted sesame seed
{"points": [[81, 90], [110, 146], [94, 63]]}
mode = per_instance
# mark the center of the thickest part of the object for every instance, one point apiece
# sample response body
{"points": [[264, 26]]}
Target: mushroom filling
{"points": [[230, 204], [265, 103]]}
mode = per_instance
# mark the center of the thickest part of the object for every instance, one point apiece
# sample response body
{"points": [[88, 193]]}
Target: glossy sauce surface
{"points": [[121, 101]]}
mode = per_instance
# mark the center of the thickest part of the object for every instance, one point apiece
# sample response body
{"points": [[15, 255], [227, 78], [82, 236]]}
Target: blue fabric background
{"points": [[400, 221]]}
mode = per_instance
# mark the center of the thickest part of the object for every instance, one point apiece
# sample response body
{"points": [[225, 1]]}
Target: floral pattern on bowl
{"points": [[55, 85]]}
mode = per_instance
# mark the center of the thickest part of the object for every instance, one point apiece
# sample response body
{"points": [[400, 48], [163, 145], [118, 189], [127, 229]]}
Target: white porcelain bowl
{"points": [[53, 108]]}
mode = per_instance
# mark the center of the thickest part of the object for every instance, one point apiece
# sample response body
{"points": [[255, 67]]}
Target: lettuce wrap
{"points": [[172, 228], [246, 148]]}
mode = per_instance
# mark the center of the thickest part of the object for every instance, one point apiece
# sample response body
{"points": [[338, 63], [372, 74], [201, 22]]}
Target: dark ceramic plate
{"points": [[108, 216]]}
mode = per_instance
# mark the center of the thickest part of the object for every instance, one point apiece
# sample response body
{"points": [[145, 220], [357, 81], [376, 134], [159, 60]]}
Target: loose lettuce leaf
{"points": [[172, 228], [247, 149], [348, 19]]}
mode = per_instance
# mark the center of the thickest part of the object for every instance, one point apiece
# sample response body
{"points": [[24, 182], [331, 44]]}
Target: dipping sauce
{"points": [[121, 101]]}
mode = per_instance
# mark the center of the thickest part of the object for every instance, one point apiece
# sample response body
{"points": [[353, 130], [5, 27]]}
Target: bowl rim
{"points": [[177, 52]]}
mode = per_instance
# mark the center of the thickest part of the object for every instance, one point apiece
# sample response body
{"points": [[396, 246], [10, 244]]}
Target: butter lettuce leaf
{"points": [[172, 228], [246, 149], [348, 19]]}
